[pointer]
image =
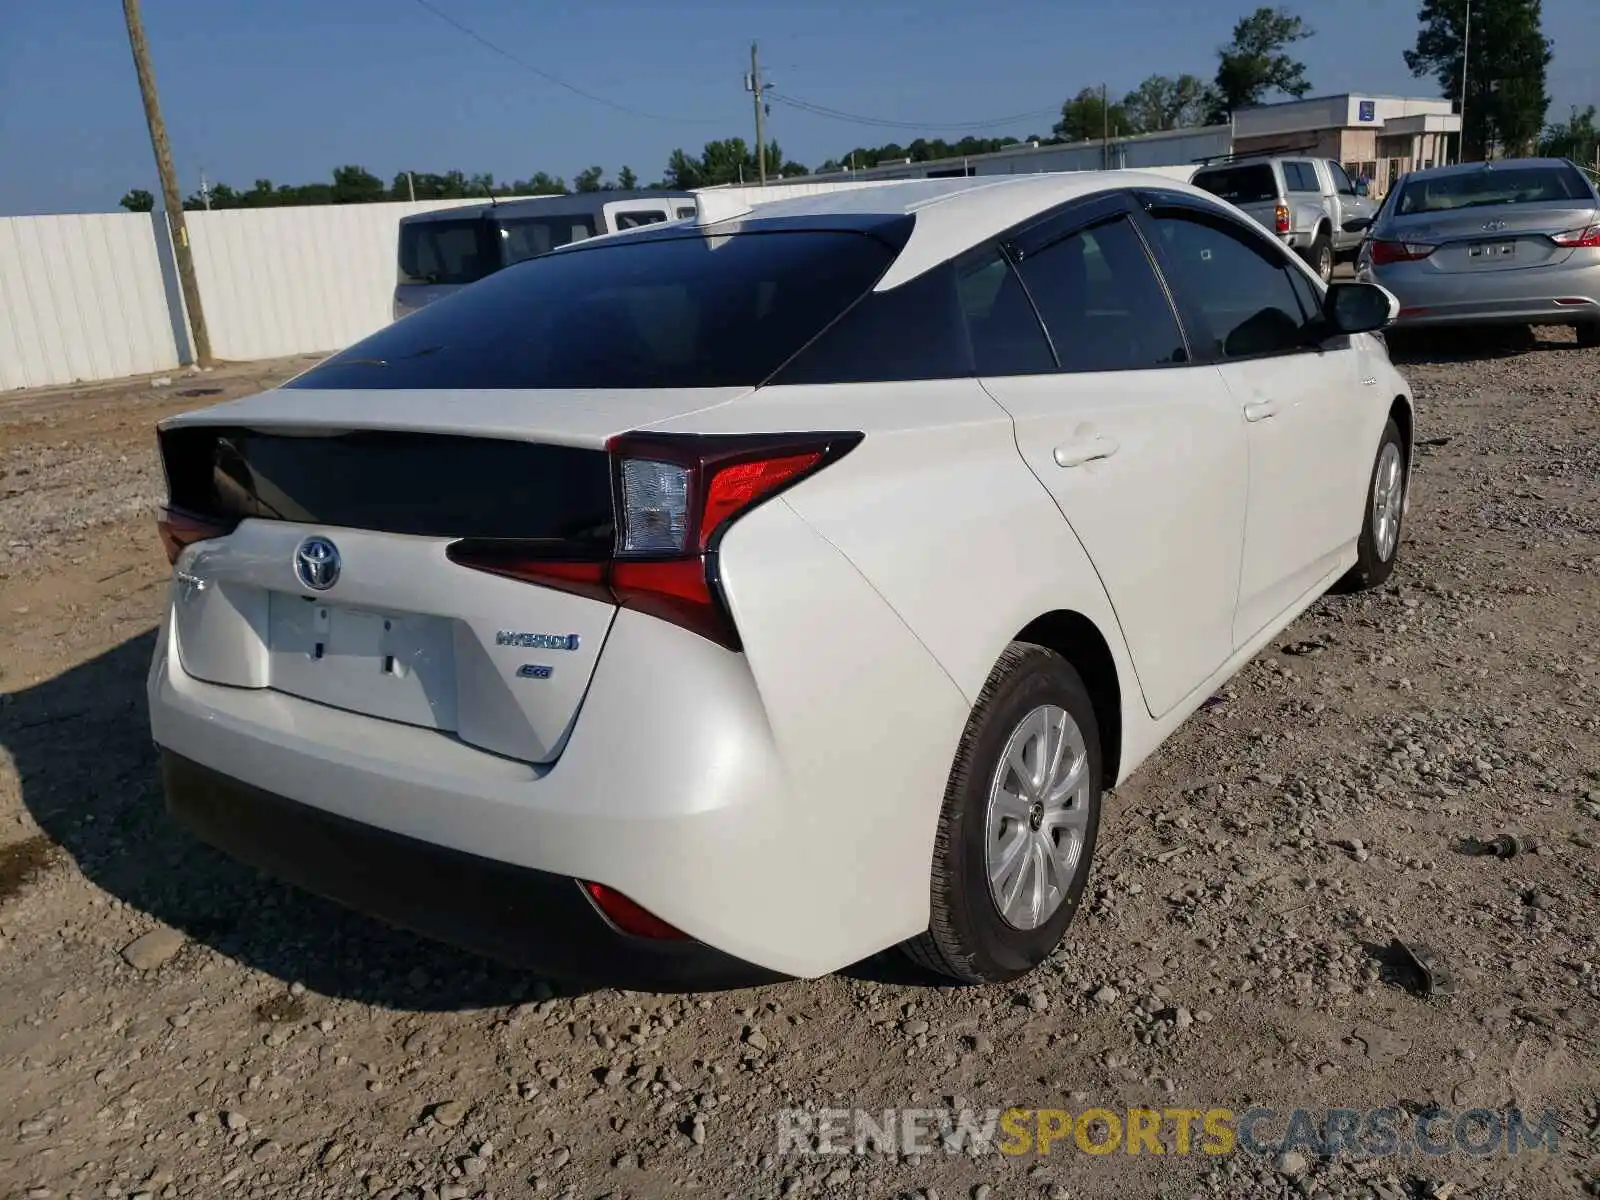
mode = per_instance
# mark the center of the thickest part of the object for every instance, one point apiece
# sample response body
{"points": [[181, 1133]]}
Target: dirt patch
{"points": [[1234, 949], [22, 862]]}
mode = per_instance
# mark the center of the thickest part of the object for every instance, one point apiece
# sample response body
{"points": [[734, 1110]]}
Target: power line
{"points": [[823, 110], [555, 79]]}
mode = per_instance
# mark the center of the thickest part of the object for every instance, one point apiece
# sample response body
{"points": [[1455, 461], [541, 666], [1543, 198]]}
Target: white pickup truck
{"points": [[1310, 203]]}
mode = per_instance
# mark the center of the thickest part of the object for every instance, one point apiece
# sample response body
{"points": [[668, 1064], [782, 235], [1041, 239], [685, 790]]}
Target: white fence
{"points": [[83, 297], [96, 297], [281, 281]]}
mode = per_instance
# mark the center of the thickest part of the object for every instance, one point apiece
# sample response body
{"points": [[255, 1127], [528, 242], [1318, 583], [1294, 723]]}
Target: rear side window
{"points": [[1101, 301], [529, 237], [1300, 177], [913, 331], [462, 251], [1006, 336], [1239, 185], [632, 220], [1491, 186], [684, 211], [693, 311]]}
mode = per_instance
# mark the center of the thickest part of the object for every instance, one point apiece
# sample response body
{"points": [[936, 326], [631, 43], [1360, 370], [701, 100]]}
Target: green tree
{"points": [[1087, 115], [1506, 75], [1577, 139], [356, 185], [138, 200], [1254, 64], [730, 160], [627, 180], [588, 179], [1162, 102]]}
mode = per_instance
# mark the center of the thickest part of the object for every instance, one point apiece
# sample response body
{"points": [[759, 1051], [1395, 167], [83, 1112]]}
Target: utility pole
{"points": [[205, 191], [1105, 130], [758, 90], [411, 187], [1466, 44], [171, 200]]}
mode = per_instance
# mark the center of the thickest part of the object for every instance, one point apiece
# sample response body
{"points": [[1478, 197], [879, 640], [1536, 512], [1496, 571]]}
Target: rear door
{"points": [[1143, 453], [1250, 311]]}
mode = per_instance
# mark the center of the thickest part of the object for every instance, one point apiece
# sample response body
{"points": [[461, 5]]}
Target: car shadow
{"points": [[1443, 346], [82, 750]]}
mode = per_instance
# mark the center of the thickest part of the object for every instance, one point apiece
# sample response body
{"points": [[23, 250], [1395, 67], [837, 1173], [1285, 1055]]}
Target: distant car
{"points": [[754, 593], [1310, 204], [1513, 242], [442, 251]]}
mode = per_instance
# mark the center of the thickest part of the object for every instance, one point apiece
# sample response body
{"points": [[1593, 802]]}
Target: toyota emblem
{"points": [[316, 563]]}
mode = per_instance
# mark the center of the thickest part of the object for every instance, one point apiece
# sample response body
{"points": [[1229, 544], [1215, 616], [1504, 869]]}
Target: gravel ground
{"points": [[173, 1025]]}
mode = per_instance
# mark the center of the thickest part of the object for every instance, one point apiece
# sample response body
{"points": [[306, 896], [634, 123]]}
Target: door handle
{"points": [[1260, 410], [1082, 450]]}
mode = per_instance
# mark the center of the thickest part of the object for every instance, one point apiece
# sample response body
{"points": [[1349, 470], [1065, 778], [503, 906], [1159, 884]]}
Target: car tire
{"points": [[1589, 335], [1378, 548], [1320, 256], [1032, 695]]}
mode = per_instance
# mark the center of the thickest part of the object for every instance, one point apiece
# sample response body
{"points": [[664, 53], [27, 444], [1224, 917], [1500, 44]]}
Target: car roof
{"points": [[571, 202], [1498, 164], [951, 215]]}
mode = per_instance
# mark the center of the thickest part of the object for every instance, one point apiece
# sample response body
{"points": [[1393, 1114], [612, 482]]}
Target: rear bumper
{"points": [[1554, 296], [535, 920]]}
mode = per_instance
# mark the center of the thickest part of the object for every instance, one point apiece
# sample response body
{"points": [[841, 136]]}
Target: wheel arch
{"points": [[1400, 412], [1078, 640]]}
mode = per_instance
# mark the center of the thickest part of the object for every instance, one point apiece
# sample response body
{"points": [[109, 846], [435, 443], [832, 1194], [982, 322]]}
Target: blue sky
{"points": [[289, 89]]}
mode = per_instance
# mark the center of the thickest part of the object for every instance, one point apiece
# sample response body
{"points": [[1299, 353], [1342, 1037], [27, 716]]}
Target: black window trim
{"points": [[1038, 233], [991, 248], [1153, 201]]}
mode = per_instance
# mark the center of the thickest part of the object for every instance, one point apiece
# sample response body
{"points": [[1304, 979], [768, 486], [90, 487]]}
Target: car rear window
{"points": [[1492, 186], [460, 251], [1239, 185], [693, 311], [529, 237]]}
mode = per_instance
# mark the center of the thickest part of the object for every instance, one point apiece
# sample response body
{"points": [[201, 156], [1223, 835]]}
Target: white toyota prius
{"points": [[742, 596]]}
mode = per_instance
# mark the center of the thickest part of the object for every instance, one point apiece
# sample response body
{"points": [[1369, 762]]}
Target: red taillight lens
{"points": [[179, 529], [1384, 253], [675, 497], [629, 917], [1575, 238], [1281, 217]]}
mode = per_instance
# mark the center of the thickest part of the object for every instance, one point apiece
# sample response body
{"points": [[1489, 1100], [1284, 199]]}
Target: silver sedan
{"points": [[1510, 242]]}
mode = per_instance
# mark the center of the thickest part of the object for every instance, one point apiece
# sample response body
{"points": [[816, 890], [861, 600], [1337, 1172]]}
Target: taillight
{"points": [[1575, 238], [179, 529], [674, 498], [1384, 253], [629, 917], [1281, 217]]}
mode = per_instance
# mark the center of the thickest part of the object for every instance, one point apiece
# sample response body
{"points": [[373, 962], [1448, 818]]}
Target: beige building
{"points": [[1379, 137]]}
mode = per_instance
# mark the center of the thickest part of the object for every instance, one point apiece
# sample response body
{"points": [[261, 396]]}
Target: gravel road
{"points": [[172, 1025]]}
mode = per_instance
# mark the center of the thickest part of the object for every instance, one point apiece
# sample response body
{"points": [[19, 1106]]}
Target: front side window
{"points": [[529, 237], [1341, 181], [691, 311], [1237, 284], [461, 251], [1101, 302]]}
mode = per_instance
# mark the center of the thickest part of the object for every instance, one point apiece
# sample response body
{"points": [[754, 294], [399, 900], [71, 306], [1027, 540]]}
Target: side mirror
{"points": [[1359, 307], [1357, 225]]}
